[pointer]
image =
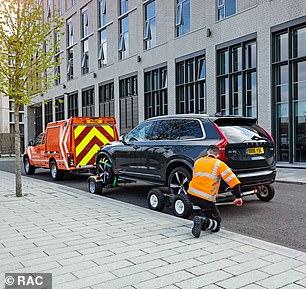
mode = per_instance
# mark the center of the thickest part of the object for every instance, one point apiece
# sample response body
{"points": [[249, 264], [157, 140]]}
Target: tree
{"points": [[29, 42]]}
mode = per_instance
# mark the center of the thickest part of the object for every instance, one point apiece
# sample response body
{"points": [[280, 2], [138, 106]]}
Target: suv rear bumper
{"points": [[251, 179]]}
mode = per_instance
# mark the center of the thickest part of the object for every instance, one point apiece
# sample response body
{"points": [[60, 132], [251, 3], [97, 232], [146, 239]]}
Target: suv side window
{"points": [[190, 129], [165, 130], [140, 132]]}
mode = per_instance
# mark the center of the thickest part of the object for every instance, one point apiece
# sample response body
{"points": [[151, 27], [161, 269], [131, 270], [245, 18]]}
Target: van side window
{"points": [[38, 140]]}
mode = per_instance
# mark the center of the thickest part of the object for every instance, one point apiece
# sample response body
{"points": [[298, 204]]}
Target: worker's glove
{"points": [[238, 202]]}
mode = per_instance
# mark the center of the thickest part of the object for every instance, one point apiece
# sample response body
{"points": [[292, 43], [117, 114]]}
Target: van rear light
{"points": [[70, 160], [221, 144]]}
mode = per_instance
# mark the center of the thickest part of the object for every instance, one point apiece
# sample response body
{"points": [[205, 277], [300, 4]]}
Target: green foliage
{"points": [[28, 48]]}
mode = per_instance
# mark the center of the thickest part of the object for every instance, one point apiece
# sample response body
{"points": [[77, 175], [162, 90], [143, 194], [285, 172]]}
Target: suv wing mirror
{"points": [[122, 138], [31, 143]]}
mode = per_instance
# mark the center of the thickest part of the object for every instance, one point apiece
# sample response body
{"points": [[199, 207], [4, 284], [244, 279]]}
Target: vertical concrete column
{"points": [[80, 101], [66, 105], [117, 102], [264, 78], [96, 99], [171, 86]]}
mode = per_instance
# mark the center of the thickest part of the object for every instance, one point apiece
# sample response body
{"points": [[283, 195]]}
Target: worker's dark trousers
{"points": [[208, 210]]}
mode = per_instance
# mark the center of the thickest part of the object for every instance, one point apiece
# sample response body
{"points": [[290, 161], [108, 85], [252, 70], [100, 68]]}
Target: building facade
{"points": [[134, 59], [7, 125]]}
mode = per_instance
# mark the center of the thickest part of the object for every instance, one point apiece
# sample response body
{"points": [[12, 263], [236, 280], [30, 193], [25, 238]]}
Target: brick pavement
{"points": [[89, 241]]}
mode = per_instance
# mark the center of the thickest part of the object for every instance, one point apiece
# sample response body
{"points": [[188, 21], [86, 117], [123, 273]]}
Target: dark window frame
{"points": [[190, 88], [156, 92]]}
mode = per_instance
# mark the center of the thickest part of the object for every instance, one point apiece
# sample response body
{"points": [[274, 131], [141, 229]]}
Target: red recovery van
{"points": [[69, 145]]}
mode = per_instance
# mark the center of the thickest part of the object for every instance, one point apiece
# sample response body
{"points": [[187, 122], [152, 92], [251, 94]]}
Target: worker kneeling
{"points": [[204, 187]]}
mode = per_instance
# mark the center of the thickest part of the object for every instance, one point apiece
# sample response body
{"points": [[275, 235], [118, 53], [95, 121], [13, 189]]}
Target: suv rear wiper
{"points": [[255, 137]]}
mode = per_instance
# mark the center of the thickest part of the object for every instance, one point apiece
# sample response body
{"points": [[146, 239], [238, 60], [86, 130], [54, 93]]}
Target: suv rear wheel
{"points": [[178, 181], [265, 193]]}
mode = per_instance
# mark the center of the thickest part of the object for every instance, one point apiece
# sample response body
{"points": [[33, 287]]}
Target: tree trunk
{"points": [[17, 151]]}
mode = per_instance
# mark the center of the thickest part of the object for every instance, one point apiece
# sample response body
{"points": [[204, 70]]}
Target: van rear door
{"points": [[88, 138]]}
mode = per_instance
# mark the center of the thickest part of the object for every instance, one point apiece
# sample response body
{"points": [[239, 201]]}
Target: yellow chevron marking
{"points": [[89, 155], [78, 130], [94, 132], [109, 129]]}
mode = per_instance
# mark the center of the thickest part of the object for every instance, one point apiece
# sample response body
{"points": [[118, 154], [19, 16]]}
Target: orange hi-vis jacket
{"points": [[207, 174]]}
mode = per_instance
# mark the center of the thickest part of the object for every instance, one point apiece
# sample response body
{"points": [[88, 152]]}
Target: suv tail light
{"points": [[221, 144], [70, 160]]}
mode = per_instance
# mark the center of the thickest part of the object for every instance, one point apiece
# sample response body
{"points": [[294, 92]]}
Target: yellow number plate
{"points": [[256, 151]]}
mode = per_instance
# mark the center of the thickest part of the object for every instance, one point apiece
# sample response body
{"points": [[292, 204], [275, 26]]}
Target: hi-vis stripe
{"points": [[88, 140]]}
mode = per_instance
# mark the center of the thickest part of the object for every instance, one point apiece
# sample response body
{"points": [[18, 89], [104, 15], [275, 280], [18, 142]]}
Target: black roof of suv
{"points": [[161, 150]]}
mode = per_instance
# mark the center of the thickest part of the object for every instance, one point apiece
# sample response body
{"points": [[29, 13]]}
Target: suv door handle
{"points": [[136, 146]]}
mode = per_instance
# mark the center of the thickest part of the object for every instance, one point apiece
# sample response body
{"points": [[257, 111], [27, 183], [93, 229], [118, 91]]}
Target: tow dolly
{"points": [[181, 205]]}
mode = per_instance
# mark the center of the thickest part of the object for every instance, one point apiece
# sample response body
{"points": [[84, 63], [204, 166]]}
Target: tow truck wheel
{"points": [[55, 173], [104, 170], [94, 186], [265, 193], [156, 200], [28, 168], [181, 206]]}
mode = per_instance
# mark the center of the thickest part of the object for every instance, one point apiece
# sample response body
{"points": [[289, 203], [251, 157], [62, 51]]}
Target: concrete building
{"points": [[7, 125], [135, 59]]}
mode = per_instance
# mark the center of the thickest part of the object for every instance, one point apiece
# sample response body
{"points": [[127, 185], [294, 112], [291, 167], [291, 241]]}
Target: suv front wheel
{"points": [[178, 181]]}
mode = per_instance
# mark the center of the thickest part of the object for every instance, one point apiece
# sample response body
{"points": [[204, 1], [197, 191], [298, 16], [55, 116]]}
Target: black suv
{"points": [[162, 150]]}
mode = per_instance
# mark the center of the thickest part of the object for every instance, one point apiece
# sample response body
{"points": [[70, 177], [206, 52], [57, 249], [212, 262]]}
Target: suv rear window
{"points": [[177, 129], [239, 133]]}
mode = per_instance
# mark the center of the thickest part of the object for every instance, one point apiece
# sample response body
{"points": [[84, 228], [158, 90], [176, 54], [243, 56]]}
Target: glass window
{"points": [[88, 102], [141, 132], [128, 103], [102, 13], [281, 47], [237, 85], [38, 119], [124, 6], [73, 107], [226, 8], [191, 85], [59, 108], [156, 93], [182, 21], [190, 129], [85, 30], [102, 52], [38, 140], [162, 130], [70, 64], [124, 38], [69, 32], [150, 25], [106, 99], [48, 112], [299, 42]]}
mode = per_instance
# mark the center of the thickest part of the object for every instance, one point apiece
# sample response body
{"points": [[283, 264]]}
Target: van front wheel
{"points": [[28, 168]]}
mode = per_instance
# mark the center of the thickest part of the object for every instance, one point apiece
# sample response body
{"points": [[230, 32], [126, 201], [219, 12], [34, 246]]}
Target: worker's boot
{"points": [[212, 225], [198, 223]]}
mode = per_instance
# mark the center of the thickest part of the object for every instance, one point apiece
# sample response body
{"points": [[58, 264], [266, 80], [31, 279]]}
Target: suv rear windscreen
{"points": [[243, 132]]}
